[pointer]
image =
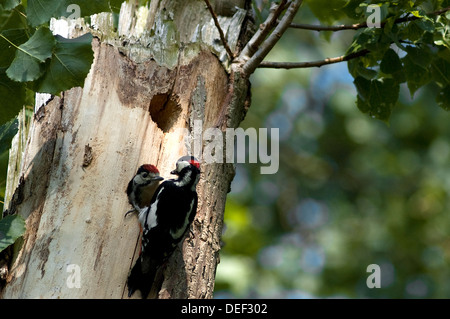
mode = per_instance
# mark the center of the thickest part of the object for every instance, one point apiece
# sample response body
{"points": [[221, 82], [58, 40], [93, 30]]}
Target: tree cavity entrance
{"points": [[164, 111]]}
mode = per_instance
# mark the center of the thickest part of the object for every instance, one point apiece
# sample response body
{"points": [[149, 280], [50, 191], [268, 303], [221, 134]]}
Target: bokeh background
{"points": [[350, 191]]}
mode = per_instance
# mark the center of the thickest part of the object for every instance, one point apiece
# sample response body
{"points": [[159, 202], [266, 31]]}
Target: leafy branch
{"points": [[33, 59], [357, 26], [343, 58], [377, 68], [263, 41]]}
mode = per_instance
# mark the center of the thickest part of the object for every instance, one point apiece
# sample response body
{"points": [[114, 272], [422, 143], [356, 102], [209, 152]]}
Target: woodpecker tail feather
{"points": [[142, 276]]}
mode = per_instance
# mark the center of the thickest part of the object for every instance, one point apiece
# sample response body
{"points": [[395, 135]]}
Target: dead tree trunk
{"points": [[85, 146]]}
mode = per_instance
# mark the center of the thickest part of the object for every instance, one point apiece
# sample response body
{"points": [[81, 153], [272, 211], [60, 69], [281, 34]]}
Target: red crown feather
{"points": [[151, 168], [195, 163]]}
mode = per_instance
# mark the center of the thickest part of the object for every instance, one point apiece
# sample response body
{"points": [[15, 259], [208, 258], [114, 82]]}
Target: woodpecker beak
{"points": [[174, 172], [158, 178]]}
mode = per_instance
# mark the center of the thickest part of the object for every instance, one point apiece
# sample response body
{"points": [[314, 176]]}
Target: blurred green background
{"points": [[350, 191]]}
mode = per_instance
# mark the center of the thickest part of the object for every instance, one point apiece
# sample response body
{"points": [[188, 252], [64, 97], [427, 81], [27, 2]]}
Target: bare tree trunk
{"points": [[85, 146]]}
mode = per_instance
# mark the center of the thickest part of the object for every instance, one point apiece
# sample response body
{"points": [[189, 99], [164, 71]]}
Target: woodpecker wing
{"points": [[167, 218], [172, 209]]}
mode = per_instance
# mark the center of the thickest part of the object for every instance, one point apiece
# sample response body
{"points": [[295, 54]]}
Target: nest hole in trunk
{"points": [[164, 111]]}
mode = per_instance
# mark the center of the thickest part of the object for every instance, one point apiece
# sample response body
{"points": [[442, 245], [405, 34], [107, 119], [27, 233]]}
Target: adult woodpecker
{"points": [[164, 223], [142, 186]]}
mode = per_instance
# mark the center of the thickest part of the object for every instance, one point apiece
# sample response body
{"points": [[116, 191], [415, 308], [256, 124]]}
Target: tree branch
{"points": [[222, 35], [300, 65], [328, 28], [263, 31], [319, 63], [357, 26], [265, 47]]}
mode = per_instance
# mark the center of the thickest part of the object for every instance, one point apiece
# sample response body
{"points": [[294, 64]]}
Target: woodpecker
{"points": [[164, 223], [142, 187]]}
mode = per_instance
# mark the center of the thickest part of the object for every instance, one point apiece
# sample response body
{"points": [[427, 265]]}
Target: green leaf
{"points": [[11, 228], [9, 4], [28, 64], [14, 19], [40, 11], [69, 65], [443, 53], [443, 98], [12, 95], [426, 25], [327, 11], [353, 10], [372, 39], [419, 56], [416, 76], [8, 50], [442, 35], [440, 71], [412, 31], [377, 97], [363, 87], [391, 62], [356, 68], [7, 132], [416, 13], [390, 28], [383, 97]]}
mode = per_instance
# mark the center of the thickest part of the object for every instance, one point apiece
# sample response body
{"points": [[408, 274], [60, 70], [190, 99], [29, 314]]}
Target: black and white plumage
{"points": [[164, 223], [142, 186]]}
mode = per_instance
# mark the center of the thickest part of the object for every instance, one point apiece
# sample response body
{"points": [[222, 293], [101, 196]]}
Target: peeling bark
{"points": [[85, 146]]}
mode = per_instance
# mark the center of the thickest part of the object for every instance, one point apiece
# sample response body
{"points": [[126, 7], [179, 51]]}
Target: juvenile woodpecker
{"points": [[142, 186], [164, 223]]}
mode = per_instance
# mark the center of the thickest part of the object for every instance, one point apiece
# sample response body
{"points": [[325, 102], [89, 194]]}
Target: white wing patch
{"points": [[151, 219], [142, 212]]}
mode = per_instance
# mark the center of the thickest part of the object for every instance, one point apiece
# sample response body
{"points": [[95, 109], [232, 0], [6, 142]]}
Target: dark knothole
{"points": [[164, 111]]}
